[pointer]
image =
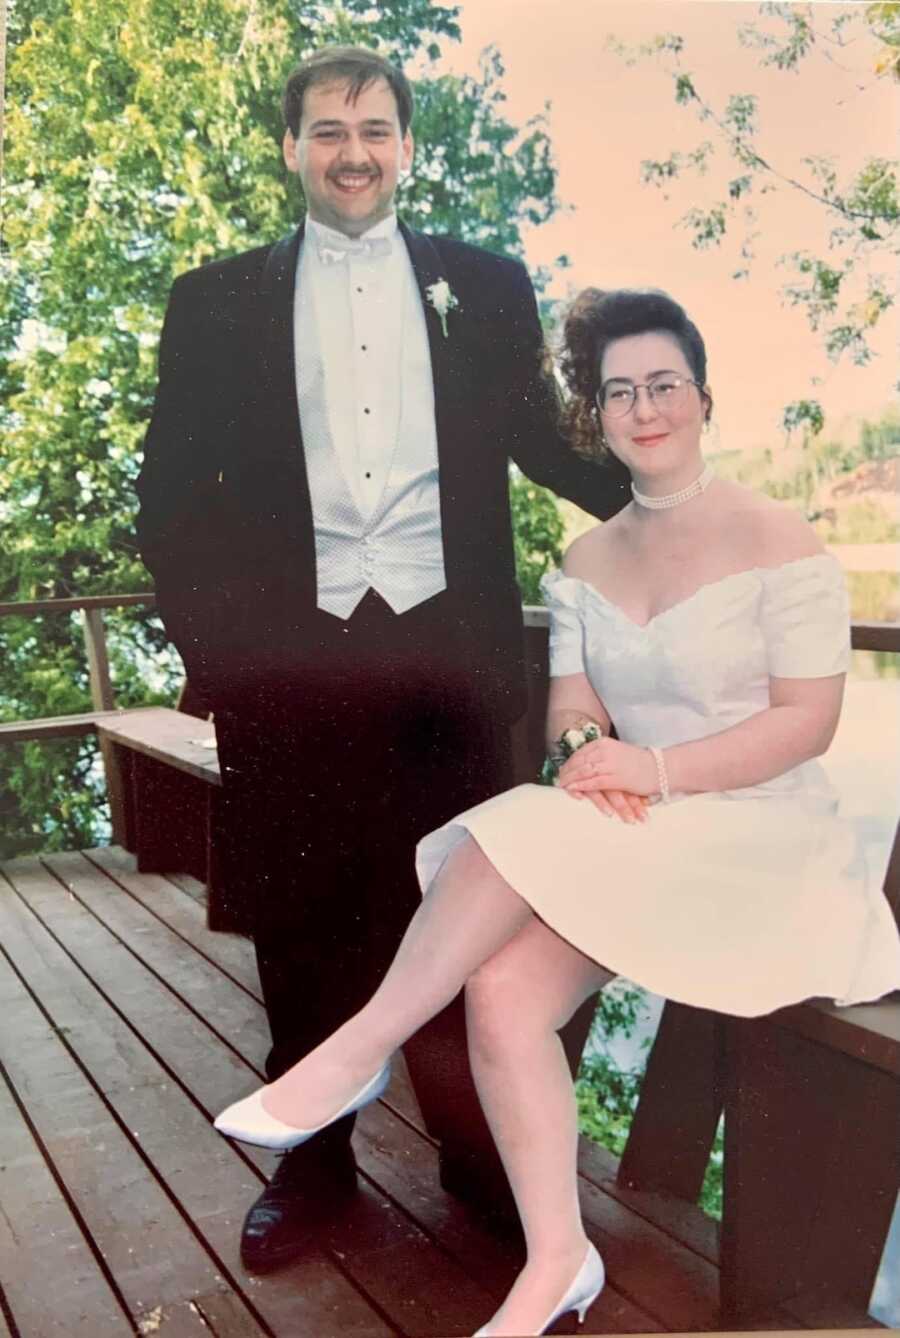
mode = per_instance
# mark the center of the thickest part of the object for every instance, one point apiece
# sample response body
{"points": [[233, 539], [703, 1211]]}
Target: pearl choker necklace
{"points": [[699, 485]]}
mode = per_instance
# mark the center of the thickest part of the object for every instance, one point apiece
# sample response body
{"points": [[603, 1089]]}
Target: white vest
{"points": [[366, 400]]}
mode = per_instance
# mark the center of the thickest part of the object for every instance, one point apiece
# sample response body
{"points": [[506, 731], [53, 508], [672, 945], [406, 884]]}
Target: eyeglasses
{"points": [[666, 390]]}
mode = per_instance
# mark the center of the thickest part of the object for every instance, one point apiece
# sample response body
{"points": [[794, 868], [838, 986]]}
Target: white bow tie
{"points": [[336, 249]]}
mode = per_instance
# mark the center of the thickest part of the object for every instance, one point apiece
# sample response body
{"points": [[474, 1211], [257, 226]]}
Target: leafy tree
{"points": [[539, 531], [846, 287], [607, 1094], [143, 139]]}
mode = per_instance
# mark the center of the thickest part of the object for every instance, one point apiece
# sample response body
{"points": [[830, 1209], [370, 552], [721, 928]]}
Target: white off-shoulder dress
{"points": [[741, 901]]}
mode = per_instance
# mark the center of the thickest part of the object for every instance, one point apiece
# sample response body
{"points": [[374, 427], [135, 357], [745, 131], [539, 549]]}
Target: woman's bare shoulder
{"points": [[582, 555], [771, 532]]}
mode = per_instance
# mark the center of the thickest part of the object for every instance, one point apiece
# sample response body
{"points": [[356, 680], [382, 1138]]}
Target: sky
{"points": [[605, 117]]}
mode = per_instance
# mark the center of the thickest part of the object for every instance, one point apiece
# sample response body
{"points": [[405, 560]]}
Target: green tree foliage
{"points": [[846, 286], [143, 138], [539, 532], [607, 1094]]}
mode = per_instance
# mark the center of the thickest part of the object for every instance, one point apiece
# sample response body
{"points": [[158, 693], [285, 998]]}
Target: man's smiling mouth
{"points": [[352, 181]]}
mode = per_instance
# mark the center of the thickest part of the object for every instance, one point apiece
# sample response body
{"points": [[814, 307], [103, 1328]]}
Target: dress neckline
{"points": [[706, 585]]}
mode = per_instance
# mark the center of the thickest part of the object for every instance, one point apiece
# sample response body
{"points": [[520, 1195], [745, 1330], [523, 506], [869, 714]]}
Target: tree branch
{"points": [[757, 160]]}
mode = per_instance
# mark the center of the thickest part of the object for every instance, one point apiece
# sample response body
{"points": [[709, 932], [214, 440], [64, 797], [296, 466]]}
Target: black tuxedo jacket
{"points": [[225, 523]]}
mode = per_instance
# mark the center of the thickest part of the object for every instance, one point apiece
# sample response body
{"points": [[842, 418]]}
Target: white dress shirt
{"points": [[366, 401]]}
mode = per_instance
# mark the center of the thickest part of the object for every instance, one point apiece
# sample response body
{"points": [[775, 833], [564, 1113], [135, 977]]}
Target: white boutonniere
{"points": [[443, 299]]}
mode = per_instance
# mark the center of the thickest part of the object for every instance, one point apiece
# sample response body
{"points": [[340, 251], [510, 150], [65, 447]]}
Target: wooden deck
{"points": [[126, 1025]]}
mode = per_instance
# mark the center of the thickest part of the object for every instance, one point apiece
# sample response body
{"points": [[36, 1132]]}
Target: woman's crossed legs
{"points": [[515, 1005], [523, 982]]}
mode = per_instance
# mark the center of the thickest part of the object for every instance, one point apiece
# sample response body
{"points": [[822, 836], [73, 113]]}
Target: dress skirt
{"points": [[742, 905]]}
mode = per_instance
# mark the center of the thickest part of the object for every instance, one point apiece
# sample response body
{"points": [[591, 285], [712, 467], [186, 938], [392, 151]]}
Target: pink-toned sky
{"points": [[606, 117]]}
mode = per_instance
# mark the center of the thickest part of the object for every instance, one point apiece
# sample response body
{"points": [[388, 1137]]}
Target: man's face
{"points": [[349, 155]]}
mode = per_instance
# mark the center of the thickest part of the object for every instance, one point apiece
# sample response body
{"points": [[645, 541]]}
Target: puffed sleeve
{"points": [[563, 597], [806, 618]]}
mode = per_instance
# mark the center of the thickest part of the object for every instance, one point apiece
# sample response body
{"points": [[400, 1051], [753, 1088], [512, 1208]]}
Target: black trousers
{"points": [[331, 774]]}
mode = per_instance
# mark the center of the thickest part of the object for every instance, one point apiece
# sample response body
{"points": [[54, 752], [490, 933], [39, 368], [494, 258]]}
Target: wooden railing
{"points": [[100, 686], [528, 735], [880, 636], [100, 680]]}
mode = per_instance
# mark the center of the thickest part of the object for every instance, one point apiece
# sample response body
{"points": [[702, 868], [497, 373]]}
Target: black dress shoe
{"points": [[304, 1192]]}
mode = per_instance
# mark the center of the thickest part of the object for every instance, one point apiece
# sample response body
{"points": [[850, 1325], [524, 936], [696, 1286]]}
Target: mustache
{"points": [[353, 172]]}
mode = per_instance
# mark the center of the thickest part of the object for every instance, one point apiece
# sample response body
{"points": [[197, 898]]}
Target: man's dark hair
{"points": [[595, 320], [356, 66]]}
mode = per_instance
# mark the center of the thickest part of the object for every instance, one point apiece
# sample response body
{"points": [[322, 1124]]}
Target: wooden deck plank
{"points": [[180, 913], [212, 1184], [806, 1314], [226, 1317], [227, 1009], [670, 1282], [374, 1225], [423, 1291], [684, 1222], [360, 1238], [148, 985], [675, 1245], [145, 1243], [631, 1318], [406, 1167], [596, 1164], [183, 1039], [191, 886], [649, 1266], [74, 1299]]}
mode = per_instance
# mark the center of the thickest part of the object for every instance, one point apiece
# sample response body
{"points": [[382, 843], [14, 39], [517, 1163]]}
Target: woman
{"points": [[707, 624]]}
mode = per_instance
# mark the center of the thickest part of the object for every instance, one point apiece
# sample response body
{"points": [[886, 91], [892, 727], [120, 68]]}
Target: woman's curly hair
{"points": [[594, 320]]}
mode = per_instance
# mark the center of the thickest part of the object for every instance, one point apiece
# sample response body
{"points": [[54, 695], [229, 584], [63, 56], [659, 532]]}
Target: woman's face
{"points": [[658, 432]]}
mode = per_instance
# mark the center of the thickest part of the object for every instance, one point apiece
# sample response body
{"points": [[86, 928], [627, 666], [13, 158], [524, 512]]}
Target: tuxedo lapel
{"points": [[447, 358], [276, 333], [278, 450]]}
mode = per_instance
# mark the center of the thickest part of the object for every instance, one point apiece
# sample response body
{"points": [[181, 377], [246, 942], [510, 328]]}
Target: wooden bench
{"points": [[811, 1100], [172, 801]]}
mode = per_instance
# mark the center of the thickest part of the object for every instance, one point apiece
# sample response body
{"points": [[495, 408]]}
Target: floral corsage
{"points": [[568, 743], [443, 299]]}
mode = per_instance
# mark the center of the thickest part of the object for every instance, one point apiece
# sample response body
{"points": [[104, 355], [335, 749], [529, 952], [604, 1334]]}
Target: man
{"points": [[325, 511]]}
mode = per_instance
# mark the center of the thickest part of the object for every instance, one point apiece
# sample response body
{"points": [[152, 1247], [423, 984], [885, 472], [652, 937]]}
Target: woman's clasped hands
{"points": [[618, 778]]}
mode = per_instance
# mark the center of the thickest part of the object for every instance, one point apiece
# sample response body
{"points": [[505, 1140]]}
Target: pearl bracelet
{"points": [[661, 774]]}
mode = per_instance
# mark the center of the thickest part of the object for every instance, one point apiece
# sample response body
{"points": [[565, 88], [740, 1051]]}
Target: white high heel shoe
{"points": [[586, 1287], [250, 1122]]}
